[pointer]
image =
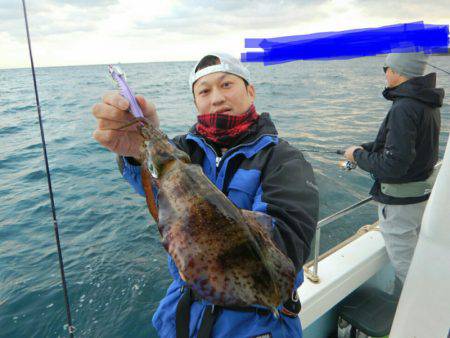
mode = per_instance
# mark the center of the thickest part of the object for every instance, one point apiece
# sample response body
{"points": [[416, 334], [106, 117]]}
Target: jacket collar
{"points": [[259, 136], [422, 88], [264, 126]]}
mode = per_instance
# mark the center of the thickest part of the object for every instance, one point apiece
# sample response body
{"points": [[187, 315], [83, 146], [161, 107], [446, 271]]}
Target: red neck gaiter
{"points": [[223, 128]]}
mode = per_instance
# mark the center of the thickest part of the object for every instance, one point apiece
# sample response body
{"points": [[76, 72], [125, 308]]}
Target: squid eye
{"points": [[152, 170], [151, 167]]}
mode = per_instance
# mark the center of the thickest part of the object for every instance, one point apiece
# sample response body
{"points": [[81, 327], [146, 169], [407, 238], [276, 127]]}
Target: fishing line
{"points": [[442, 70], [71, 328], [349, 190]]}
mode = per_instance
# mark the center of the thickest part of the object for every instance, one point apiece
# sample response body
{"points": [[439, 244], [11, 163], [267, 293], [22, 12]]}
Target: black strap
{"points": [[212, 312], [258, 310], [182, 314], [209, 317], [292, 306]]}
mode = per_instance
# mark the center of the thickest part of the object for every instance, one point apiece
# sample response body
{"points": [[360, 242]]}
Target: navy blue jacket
{"points": [[261, 173]]}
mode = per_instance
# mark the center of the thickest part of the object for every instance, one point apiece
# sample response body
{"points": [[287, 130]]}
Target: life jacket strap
{"points": [[291, 308], [209, 318], [183, 313], [410, 189]]}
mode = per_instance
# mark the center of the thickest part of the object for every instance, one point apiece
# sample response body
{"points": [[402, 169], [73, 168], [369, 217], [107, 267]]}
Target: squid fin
{"points": [[263, 220]]}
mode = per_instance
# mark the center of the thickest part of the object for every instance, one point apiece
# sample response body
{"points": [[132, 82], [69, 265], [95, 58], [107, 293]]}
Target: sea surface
{"points": [[115, 265]]}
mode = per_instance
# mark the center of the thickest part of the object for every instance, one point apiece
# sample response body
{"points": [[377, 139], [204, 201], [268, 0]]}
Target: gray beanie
{"points": [[407, 64]]}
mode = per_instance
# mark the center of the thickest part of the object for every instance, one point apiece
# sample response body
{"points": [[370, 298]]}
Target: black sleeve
{"points": [[399, 151], [290, 192], [367, 146], [120, 162]]}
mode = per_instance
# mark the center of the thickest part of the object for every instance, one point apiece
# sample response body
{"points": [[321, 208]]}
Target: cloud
{"points": [[96, 31], [51, 17], [85, 3], [216, 17], [436, 11]]}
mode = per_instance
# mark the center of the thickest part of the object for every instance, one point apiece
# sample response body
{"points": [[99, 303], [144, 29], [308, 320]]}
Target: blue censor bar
{"points": [[401, 38]]}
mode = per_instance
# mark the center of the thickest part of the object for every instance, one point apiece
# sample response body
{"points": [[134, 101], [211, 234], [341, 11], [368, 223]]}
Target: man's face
{"points": [[392, 78], [222, 93]]}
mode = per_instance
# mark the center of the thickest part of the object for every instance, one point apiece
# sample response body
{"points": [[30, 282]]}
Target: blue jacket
{"points": [[262, 173]]}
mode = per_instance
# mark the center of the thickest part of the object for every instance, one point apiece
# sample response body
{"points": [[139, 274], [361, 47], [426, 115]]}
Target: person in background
{"points": [[402, 158], [240, 152]]}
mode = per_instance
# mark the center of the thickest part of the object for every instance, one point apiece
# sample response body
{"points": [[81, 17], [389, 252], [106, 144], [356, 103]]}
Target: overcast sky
{"points": [[109, 31]]}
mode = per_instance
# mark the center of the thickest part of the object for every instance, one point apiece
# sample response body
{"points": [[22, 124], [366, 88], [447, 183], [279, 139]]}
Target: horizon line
{"points": [[92, 64], [137, 62]]}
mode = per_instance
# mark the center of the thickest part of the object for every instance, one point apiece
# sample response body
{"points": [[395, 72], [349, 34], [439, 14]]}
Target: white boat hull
{"points": [[424, 307]]}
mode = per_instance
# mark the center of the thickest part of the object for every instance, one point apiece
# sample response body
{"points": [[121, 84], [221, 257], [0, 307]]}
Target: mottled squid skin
{"points": [[225, 254]]}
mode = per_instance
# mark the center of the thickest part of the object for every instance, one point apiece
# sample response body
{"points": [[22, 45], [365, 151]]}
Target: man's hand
{"points": [[349, 153], [112, 114]]}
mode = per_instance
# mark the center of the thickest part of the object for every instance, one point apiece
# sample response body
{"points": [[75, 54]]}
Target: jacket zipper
{"points": [[229, 151], [219, 160]]}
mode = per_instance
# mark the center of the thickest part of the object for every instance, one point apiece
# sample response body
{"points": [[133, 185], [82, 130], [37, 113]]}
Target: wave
{"points": [[10, 130]]}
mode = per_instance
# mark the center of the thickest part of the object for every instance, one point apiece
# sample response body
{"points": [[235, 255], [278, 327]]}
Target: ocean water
{"points": [[115, 266]]}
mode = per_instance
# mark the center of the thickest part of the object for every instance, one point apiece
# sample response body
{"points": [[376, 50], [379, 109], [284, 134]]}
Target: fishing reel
{"points": [[346, 165]]}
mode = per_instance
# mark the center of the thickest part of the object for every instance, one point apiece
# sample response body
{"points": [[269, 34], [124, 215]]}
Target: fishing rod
{"points": [[338, 152], [442, 70], [70, 327], [345, 164], [342, 164]]}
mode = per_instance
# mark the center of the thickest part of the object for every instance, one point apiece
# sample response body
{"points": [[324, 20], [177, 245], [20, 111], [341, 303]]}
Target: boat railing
{"points": [[313, 275]]}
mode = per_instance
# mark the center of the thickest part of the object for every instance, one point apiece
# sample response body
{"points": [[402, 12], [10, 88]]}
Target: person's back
{"points": [[402, 158], [416, 103]]}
